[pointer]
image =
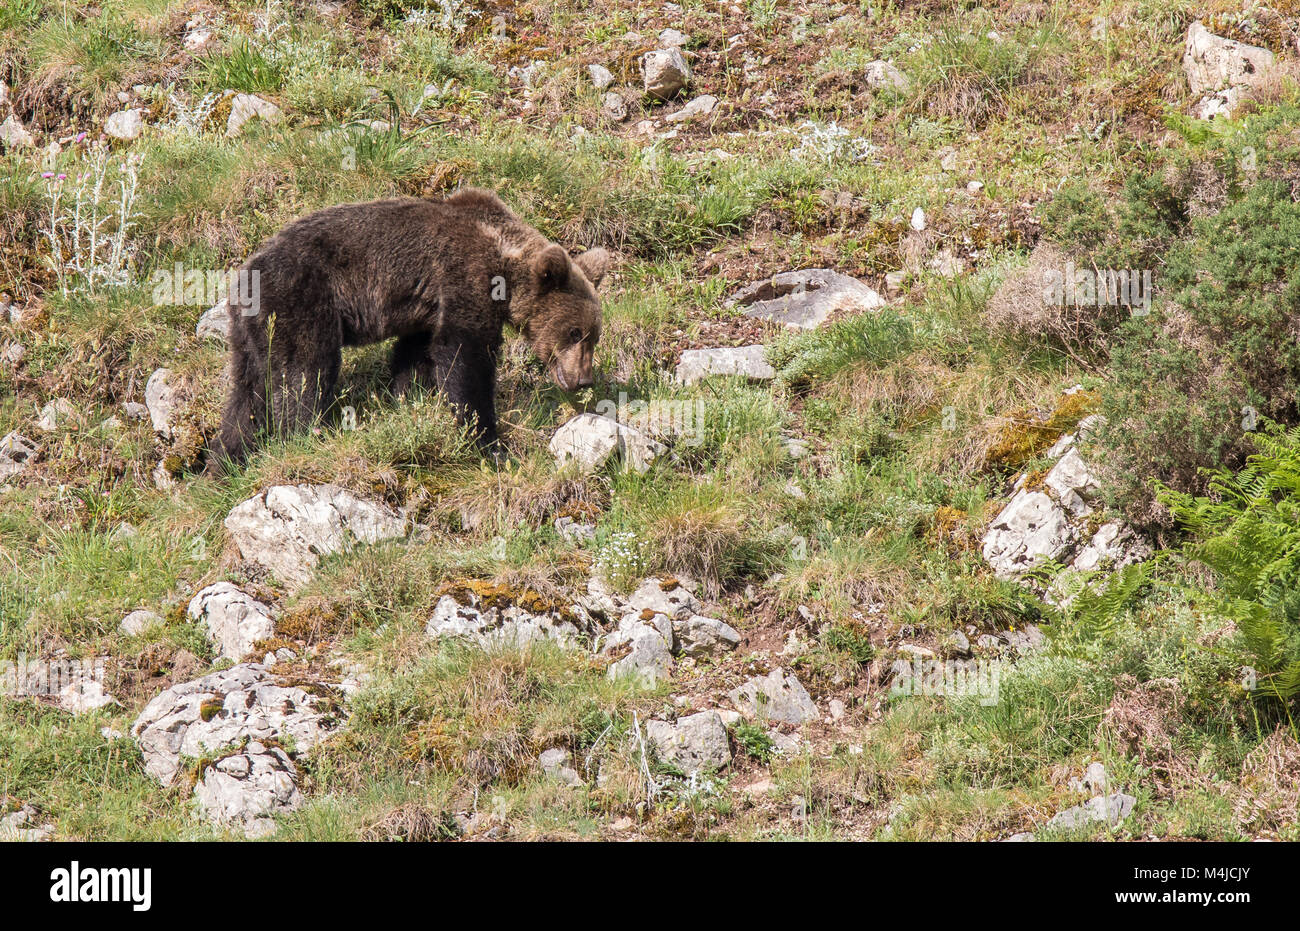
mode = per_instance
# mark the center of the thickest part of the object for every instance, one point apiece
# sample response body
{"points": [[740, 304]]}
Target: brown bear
{"points": [[442, 276]]}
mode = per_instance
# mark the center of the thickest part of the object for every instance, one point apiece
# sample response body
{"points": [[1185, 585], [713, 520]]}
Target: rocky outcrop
{"points": [[233, 724], [1219, 70], [1051, 522], [288, 528]]}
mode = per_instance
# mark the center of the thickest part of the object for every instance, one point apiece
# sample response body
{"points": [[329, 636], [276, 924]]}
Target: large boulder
{"points": [[1220, 71], [746, 361], [804, 300], [775, 697], [288, 528], [234, 620], [589, 440], [665, 72], [696, 743]]}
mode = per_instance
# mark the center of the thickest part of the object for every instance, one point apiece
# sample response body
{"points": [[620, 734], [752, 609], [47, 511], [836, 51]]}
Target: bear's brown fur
{"points": [[443, 277]]}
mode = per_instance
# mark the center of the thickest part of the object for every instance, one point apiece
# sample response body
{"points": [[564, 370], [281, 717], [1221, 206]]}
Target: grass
{"points": [[912, 417]]}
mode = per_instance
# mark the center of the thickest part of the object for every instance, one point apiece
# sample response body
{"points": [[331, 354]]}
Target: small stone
{"points": [[746, 361], [805, 299], [918, 219], [700, 106], [246, 107], [672, 38], [13, 135], [234, 620], [665, 72], [215, 323], [1105, 809], [555, 764], [703, 636], [197, 39], [881, 75], [56, 414], [589, 440], [137, 622], [125, 124], [601, 76], [134, 410], [164, 397], [16, 454], [614, 107], [696, 743]]}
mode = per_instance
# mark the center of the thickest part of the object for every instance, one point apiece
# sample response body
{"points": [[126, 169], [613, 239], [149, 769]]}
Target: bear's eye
{"points": [[575, 335]]}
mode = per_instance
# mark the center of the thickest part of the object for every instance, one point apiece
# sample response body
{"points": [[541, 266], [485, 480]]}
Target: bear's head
{"points": [[563, 323]]}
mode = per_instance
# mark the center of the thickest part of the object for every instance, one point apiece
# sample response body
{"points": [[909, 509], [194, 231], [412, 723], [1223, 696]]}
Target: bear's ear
{"points": [[551, 266], [594, 264]]}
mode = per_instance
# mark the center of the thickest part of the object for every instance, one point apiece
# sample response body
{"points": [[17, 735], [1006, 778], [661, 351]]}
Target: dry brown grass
{"points": [[1268, 796], [1143, 719], [1023, 309]]}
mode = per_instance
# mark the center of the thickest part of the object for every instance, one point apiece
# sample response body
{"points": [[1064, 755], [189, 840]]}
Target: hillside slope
{"points": [[945, 564]]}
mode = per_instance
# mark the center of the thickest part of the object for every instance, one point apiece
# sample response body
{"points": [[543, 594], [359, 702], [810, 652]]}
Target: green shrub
{"points": [[754, 741], [1216, 353]]}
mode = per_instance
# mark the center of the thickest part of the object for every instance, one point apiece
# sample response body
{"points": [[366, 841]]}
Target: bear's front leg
{"points": [[464, 372]]}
